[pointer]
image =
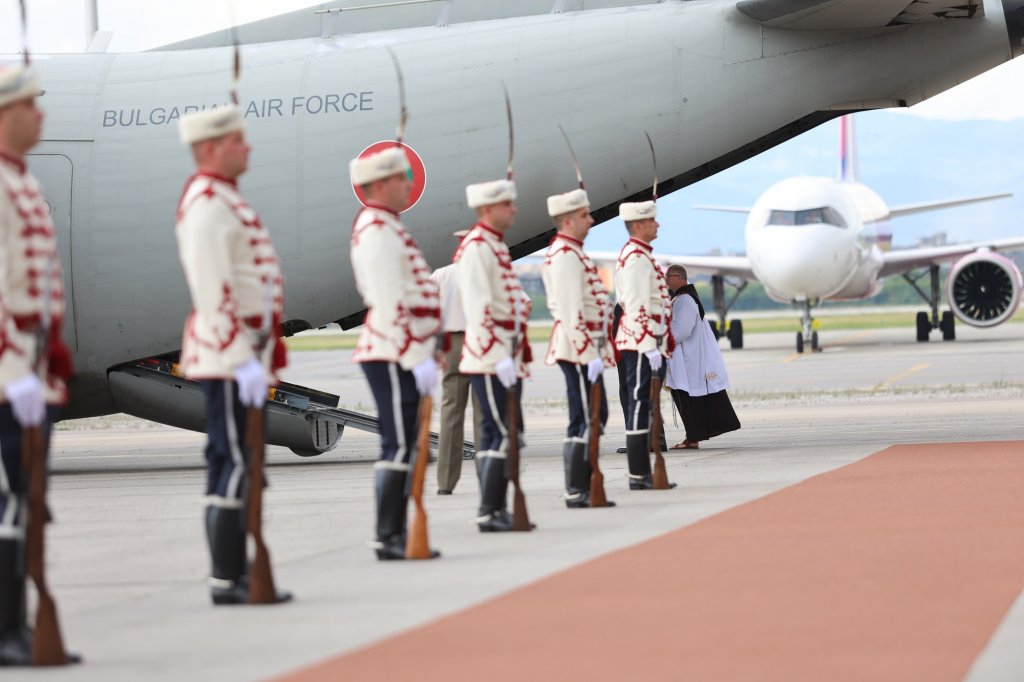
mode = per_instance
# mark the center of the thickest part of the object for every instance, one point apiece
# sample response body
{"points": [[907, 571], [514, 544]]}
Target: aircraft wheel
{"points": [[736, 334], [924, 326], [799, 342], [714, 329], [948, 326], [814, 341]]}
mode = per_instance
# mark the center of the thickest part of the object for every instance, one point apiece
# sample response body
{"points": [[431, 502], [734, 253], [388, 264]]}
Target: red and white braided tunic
{"points": [[404, 306], [234, 278]]}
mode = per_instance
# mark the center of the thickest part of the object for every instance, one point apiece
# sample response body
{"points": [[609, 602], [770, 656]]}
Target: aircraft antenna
{"points": [[654, 159], [511, 132], [575, 162], [24, 33], [236, 67], [403, 116]]}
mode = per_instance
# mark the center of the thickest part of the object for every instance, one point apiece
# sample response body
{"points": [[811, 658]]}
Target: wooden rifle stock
{"points": [[418, 544], [597, 496], [520, 517], [660, 478], [261, 579], [47, 643]]}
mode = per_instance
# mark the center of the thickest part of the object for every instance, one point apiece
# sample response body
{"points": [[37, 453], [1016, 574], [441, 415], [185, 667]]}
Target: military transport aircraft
{"points": [[713, 81], [814, 239]]}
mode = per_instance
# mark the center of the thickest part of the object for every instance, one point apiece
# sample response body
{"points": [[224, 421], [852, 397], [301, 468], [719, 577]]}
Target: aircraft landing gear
{"points": [[925, 322], [808, 336], [731, 330], [948, 326], [735, 334]]}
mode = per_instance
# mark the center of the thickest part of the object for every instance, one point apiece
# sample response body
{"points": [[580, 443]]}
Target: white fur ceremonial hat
{"points": [[18, 83], [208, 125], [641, 210], [487, 193], [568, 202], [383, 164]]}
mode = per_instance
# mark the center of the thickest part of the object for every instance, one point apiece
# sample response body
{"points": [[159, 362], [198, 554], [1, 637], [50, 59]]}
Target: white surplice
{"points": [[696, 365]]}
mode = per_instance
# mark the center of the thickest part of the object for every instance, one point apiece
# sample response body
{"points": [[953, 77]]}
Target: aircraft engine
{"points": [[984, 289]]}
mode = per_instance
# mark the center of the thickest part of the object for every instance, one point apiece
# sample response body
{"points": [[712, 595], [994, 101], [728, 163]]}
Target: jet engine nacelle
{"points": [[984, 289]]}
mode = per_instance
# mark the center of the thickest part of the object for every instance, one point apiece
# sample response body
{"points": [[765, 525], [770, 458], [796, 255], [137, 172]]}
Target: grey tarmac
{"points": [[128, 565]]}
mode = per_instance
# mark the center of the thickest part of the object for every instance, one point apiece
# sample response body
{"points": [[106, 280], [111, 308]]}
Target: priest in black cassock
{"points": [[696, 370]]}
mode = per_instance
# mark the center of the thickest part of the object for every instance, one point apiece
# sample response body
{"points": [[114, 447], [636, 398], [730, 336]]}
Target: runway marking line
{"points": [[897, 567], [900, 377]]}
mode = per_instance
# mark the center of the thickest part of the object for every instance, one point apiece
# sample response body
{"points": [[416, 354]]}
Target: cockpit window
{"points": [[812, 216]]}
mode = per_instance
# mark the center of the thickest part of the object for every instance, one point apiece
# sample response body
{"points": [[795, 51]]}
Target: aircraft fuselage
{"points": [[710, 86]]}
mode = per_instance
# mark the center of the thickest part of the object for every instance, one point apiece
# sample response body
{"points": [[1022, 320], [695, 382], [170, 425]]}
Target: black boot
{"points": [[391, 514], [15, 638], [493, 516], [577, 476], [226, 536], [639, 459]]}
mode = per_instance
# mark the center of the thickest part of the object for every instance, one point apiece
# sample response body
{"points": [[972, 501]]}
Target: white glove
{"points": [[654, 357], [595, 368], [252, 383], [506, 371], [425, 374], [27, 401]]}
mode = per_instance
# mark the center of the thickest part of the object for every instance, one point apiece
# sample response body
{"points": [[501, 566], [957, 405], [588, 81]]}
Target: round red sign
{"points": [[417, 172]]}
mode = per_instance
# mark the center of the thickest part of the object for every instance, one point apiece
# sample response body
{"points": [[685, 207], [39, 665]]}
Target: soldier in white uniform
{"points": [[235, 282], [577, 300], [397, 346], [29, 270], [640, 286], [495, 351]]}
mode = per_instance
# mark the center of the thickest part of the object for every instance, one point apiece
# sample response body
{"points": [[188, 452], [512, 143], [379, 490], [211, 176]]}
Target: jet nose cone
{"points": [[812, 261]]}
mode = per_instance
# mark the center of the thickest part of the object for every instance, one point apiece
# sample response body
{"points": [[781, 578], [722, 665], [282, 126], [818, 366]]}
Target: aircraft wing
{"points": [[903, 260], [826, 15], [722, 209], [727, 266], [910, 209]]}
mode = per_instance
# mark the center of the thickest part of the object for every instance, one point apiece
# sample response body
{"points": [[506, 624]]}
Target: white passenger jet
{"points": [[814, 239]]}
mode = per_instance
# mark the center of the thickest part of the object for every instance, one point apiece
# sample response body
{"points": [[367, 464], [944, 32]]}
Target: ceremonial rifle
{"points": [[520, 517], [261, 580], [47, 642], [597, 495], [418, 544], [660, 478]]}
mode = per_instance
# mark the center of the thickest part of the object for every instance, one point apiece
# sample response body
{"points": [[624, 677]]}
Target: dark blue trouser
{"points": [[394, 391], [637, 372], [394, 387], [577, 386], [226, 453], [13, 485], [493, 405]]}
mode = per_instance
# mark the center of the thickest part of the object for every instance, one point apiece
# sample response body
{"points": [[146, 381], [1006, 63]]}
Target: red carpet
{"points": [[897, 567]]}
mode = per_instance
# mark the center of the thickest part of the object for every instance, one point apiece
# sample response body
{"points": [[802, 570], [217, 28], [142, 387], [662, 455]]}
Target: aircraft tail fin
{"points": [[848, 166]]}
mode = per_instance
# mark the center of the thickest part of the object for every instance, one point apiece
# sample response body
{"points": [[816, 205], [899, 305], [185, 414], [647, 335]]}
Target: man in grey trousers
{"points": [[455, 391]]}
